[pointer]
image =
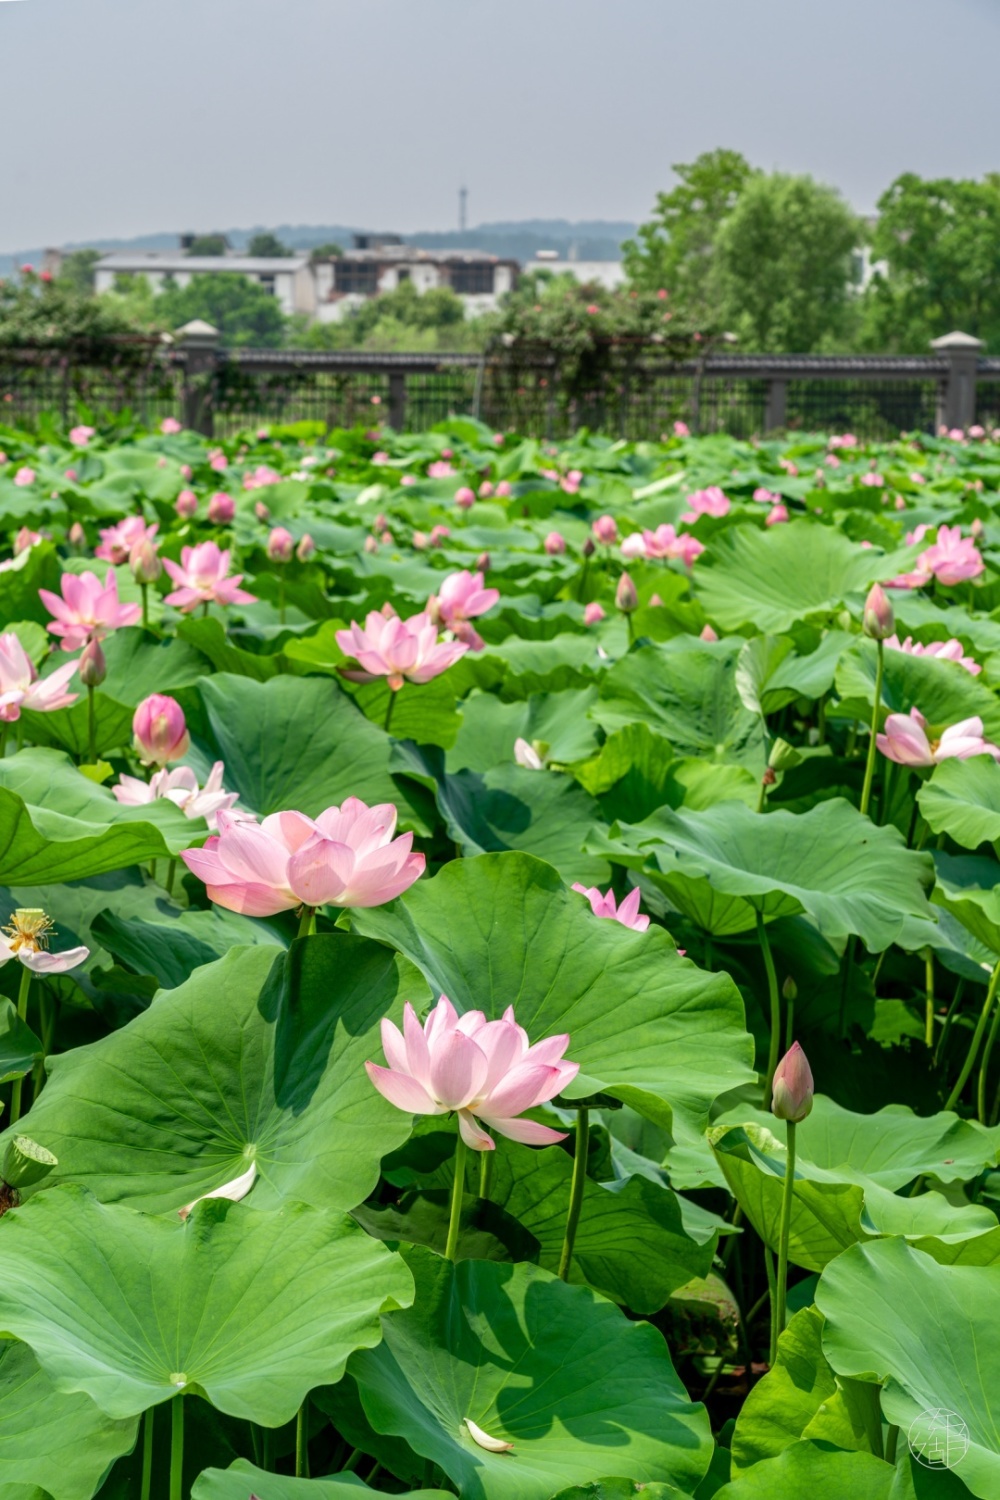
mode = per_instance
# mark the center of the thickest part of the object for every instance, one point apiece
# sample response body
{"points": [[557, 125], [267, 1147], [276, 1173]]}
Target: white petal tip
{"points": [[483, 1439], [234, 1191]]}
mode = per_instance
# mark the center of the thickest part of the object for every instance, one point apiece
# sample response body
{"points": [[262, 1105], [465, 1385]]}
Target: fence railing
{"points": [[628, 390]]}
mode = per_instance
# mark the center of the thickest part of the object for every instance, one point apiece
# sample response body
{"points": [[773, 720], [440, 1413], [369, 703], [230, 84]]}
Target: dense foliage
{"points": [[600, 725]]}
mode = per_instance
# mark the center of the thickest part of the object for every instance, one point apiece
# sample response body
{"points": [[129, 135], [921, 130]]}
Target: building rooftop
{"points": [[171, 262], [409, 254]]}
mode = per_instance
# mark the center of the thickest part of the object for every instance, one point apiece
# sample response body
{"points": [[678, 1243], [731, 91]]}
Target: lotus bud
{"points": [[626, 598], [483, 562], [144, 560], [485, 490], [793, 1088], [655, 602], [790, 989], [464, 498], [380, 523], [588, 549], [371, 545], [221, 508], [77, 537], [502, 490], [159, 731], [24, 541], [306, 548], [977, 527], [186, 504], [555, 543], [708, 634], [878, 620], [419, 540], [386, 538], [280, 545], [92, 666], [261, 511], [593, 613]]}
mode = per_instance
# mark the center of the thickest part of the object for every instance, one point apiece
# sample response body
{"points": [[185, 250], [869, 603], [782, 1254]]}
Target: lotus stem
{"points": [[171, 872], [772, 1291], [281, 600], [177, 1447], [866, 790], [580, 1153], [4, 730], [977, 1036], [91, 727], [775, 999], [47, 1010], [891, 1439], [485, 1172], [22, 1015], [929, 1002], [778, 1327], [147, 1453], [302, 1441], [984, 1067], [946, 1028], [145, 605], [388, 710], [457, 1191], [307, 922]]}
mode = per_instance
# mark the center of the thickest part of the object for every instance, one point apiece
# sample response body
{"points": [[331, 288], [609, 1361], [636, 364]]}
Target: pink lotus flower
{"points": [[398, 650], [555, 544], [906, 742], [503, 490], [260, 477], [527, 756], [484, 1070], [408, 479], [605, 529], [438, 535], [874, 481], [221, 508], [461, 598], [708, 634], [661, 543], [380, 457], [793, 1087], [280, 545], [24, 477], [952, 650], [776, 515], [21, 687], [846, 440], [465, 498], [306, 548], [485, 489], [218, 461], [593, 613], [710, 502], [186, 471], [26, 938], [25, 540], [627, 913], [766, 497], [87, 610], [170, 425], [681, 429], [572, 481], [345, 857], [439, 469], [117, 541], [159, 732], [81, 436], [202, 577], [180, 786], [916, 478], [186, 504], [952, 558]]}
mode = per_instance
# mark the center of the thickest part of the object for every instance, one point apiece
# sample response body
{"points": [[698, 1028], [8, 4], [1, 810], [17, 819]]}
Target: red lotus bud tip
{"points": [[878, 620], [93, 667], [793, 1089]]}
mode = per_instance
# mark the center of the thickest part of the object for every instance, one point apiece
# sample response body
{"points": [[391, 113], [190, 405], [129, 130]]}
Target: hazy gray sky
{"points": [[120, 117]]}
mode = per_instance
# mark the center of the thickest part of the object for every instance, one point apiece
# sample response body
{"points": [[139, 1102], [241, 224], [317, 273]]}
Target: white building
{"points": [[379, 264], [289, 279], [606, 273]]}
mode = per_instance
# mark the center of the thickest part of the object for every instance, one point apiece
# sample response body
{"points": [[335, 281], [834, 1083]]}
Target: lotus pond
{"points": [[500, 966]]}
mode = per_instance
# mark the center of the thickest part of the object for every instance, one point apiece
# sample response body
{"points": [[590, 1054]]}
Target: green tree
{"points": [[674, 250], [244, 313], [939, 244], [782, 266], [41, 312], [207, 244], [78, 269], [324, 252], [267, 245]]}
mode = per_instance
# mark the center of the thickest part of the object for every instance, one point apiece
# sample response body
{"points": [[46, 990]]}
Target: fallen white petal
{"points": [[234, 1191], [491, 1444]]}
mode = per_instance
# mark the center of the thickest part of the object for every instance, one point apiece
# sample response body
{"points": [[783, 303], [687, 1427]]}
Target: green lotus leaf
{"points": [[248, 1309], [19, 1046], [256, 1059], [802, 1399], [943, 691], [243, 1478], [815, 1470], [686, 691], [56, 1440], [503, 930], [490, 727], [962, 799], [930, 1336], [723, 865], [968, 886], [578, 1389]]}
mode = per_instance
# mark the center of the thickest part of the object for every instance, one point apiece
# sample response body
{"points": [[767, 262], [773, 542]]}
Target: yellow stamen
{"points": [[29, 928]]}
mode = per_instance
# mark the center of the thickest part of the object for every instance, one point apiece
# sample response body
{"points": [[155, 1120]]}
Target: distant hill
{"points": [[590, 239]]}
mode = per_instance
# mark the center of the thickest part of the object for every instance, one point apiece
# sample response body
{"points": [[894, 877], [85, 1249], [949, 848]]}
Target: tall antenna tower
{"points": [[463, 200]]}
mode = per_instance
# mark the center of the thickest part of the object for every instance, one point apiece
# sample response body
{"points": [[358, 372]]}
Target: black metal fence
{"points": [[630, 391]]}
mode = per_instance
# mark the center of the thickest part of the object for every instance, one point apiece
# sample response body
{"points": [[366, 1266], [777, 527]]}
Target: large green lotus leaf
{"points": [[801, 1399], [528, 666], [929, 1334], [174, 941], [509, 807], [60, 1442], [772, 579], [808, 675], [831, 862], [248, 1309], [633, 1243], [39, 567], [297, 742], [962, 799], [627, 1489], [503, 930], [56, 825], [685, 690], [255, 1058], [243, 1478], [968, 886], [210, 638], [636, 772], [964, 1234], [578, 1389], [818, 1472], [490, 727], [19, 1046], [943, 691]]}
